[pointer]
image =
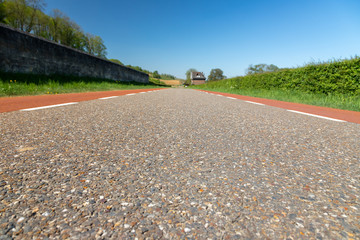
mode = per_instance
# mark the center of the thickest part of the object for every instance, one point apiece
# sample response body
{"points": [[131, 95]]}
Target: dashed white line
{"points": [[108, 97], [130, 94], [318, 116], [142, 92], [255, 103], [304, 113], [50, 106]]}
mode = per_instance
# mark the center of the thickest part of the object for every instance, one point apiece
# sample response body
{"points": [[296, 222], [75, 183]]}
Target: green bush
{"points": [[333, 84], [337, 77]]}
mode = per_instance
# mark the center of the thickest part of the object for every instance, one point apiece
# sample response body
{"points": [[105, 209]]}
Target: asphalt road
{"points": [[177, 163]]}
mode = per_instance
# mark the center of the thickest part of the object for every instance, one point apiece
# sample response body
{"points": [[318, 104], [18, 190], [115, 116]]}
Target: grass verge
{"points": [[28, 84], [339, 101]]}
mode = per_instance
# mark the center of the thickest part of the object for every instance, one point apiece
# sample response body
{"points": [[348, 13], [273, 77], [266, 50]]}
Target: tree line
{"points": [[217, 74], [28, 16], [155, 74]]}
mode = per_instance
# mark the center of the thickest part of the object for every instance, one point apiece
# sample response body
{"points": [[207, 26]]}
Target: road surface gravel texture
{"points": [[177, 164]]}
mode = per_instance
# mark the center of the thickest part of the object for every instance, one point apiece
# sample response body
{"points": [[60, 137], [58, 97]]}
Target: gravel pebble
{"points": [[177, 164]]}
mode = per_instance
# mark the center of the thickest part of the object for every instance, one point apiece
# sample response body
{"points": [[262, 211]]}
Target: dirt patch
{"points": [[172, 82]]}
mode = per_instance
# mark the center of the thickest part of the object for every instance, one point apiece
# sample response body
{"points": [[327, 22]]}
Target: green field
{"points": [[333, 84], [27, 84]]}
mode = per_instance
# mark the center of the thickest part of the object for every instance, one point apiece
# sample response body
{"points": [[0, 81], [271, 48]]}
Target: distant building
{"points": [[197, 78]]}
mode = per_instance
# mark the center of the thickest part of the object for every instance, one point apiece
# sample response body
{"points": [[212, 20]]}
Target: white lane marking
{"points": [[255, 103], [142, 92], [108, 97], [130, 94], [219, 95], [318, 116], [50, 106], [231, 98]]}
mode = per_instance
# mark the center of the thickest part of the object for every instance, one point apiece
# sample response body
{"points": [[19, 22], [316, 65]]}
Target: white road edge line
{"points": [[318, 116], [142, 92], [255, 103], [130, 94], [50, 106], [108, 97], [231, 98]]}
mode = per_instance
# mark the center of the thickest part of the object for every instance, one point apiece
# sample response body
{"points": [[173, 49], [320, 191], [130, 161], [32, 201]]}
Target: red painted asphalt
{"points": [[8, 104], [349, 116]]}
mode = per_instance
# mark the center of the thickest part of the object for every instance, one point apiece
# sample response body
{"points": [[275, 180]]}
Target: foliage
{"points": [[216, 75], [22, 14], [261, 68], [27, 16], [188, 75], [95, 45], [334, 79], [167, 76], [157, 81], [2, 11], [116, 61], [139, 69], [156, 75], [341, 77], [187, 82]]}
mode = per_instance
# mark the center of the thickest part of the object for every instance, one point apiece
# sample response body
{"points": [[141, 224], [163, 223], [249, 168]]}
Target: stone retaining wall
{"points": [[24, 53]]}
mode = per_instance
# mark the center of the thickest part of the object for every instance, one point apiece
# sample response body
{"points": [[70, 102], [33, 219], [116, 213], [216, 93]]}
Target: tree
{"points": [[21, 14], [156, 74], [188, 72], [261, 68], [188, 75], [216, 75], [42, 25], [27, 16], [2, 12], [95, 45]]}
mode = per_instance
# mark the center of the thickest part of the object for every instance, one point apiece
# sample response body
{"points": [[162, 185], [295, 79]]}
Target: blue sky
{"points": [[171, 36]]}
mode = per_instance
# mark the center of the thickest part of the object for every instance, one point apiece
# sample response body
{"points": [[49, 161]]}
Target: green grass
{"points": [[339, 101], [28, 84]]}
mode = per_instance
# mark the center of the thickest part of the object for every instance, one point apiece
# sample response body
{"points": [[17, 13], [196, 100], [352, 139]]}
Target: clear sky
{"points": [[171, 36]]}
